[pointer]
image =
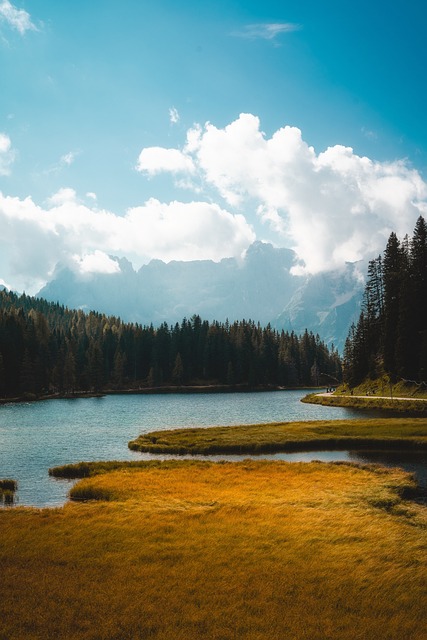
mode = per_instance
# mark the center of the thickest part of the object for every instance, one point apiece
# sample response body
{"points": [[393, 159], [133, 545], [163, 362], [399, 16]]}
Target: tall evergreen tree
{"points": [[406, 342], [391, 334], [392, 266], [45, 347], [418, 264]]}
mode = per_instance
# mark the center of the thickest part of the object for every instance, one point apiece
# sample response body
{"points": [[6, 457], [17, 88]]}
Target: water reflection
{"points": [[37, 436], [413, 461]]}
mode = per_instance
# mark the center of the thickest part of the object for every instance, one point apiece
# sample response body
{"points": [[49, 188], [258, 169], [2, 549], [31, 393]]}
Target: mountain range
{"points": [[259, 287]]}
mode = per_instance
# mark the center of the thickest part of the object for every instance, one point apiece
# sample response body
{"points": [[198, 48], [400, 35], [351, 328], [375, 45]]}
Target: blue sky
{"points": [[87, 86]]}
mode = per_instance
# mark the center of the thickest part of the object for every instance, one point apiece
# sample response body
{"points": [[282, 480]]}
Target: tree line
{"points": [[46, 348], [390, 337]]}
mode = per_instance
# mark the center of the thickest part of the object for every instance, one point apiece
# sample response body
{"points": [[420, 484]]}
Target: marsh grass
{"points": [[288, 436], [89, 469], [253, 550]]}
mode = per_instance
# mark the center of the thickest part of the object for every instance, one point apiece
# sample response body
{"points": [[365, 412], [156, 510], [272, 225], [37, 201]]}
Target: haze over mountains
{"points": [[260, 287]]}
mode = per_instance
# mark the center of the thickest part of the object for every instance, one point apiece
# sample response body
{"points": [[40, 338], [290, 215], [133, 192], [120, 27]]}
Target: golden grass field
{"points": [[253, 550], [288, 436]]}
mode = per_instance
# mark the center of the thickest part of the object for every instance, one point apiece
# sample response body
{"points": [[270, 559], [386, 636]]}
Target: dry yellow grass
{"points": [[253, 550]]}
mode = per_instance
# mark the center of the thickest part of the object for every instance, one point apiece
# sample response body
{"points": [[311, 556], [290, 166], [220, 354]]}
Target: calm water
{"points": [[36, 436]]}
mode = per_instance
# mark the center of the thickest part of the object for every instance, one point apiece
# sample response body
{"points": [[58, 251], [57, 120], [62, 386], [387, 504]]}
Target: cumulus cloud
{"points": [[64, 195], [153, 160], [35, 239], [331, 207], [7, 154], [18, 19], [187, 231], [96, 262]]}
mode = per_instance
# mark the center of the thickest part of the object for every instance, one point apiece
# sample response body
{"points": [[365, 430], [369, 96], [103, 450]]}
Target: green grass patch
{"points": [[288, 436], [404, 397], [395, 405]]}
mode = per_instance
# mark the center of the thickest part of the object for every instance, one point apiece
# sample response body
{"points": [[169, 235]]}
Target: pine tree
{"points": [[119, 366], [406, 342], [95, 366], [391, 334], [392, 274], [2, 377], [27, 377], [47, 347], [178, 370], [418, 263], [69, 371]]}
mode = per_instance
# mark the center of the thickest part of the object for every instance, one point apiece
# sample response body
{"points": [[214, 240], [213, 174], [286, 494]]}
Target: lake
{"points": [[36, 436]]}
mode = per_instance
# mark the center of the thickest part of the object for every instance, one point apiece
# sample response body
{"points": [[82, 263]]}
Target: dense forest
{"points": [[390, 337], [46, 348]]}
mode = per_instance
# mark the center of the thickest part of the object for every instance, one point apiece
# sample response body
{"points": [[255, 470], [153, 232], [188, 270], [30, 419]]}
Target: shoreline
{"points": [[164, 390], [396, 404], [382, 433]]}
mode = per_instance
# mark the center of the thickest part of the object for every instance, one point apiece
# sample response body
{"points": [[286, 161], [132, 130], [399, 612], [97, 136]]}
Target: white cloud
{"points": [[173, 115], [153, 160], [7, 154], [64, 195], [266, 31], [5, 143], [18, 19], [186, 231], [331, 207], [64, 161], [68, 158], [35, 239], [96, 262]]}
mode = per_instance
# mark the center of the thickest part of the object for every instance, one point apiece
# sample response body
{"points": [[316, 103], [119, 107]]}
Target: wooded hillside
{"points": [[46, 348]]}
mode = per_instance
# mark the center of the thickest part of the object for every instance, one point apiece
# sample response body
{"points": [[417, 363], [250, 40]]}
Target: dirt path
{"points": [[371, 397]]}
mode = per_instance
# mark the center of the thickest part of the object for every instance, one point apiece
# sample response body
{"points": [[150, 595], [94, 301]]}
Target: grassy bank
{"points": [[253, 551], [159, 390], [90, 469], [288, 436], [404, 397], [394, 405]]}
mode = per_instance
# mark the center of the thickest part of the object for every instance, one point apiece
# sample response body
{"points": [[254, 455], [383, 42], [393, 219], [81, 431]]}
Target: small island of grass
{"points": [[404, 433]]}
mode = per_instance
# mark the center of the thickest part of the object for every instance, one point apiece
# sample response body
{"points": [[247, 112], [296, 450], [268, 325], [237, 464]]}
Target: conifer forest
{"points": [[390, 337], [47, 349]]}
